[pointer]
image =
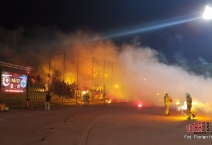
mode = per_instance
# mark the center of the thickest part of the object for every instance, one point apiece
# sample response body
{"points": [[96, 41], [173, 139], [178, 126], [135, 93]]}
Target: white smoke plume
{"points": [[140, 75], [148, 79]]}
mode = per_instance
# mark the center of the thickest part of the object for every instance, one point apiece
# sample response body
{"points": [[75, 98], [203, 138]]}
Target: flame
{"points": [[177, 103], [182, 108], [109, 101], [83, 92]]}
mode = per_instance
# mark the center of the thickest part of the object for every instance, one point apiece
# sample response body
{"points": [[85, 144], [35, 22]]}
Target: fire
{"points": [[83, 92], [109, 101], [183, 107]]}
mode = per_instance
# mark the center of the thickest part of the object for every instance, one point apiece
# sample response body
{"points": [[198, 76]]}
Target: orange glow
{"points": [[197, 118], [83, 92], [177, 103], [95, 74], [109, 101]]}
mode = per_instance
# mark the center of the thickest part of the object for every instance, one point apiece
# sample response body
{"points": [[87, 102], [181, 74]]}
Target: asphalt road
{"points": [[110, 124]]}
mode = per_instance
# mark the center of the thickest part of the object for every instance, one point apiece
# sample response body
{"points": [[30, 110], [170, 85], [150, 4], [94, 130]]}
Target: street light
{"points": [[208, 13], [208, 16]]}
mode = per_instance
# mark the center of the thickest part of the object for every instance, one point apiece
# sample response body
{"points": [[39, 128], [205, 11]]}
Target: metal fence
{"points": [[37, 95], [74, 70]]}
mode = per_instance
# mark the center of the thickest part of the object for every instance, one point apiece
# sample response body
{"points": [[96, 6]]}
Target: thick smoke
{"points": [[135, 73], [147, 79], [138, 71]]}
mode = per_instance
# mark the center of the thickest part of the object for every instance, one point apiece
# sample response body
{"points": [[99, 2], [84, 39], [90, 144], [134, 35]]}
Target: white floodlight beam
{"points": [[208, 13]]}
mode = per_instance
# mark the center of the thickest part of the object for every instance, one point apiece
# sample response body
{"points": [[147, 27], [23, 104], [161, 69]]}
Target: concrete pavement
{"points": [[111, 124]]}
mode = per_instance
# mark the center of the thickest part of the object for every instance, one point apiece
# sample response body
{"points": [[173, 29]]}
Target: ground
{"points": [[99, 124]]}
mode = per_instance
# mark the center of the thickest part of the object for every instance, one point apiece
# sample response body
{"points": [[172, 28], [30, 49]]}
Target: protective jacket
{"points": [[189, 101], [167, 100]]}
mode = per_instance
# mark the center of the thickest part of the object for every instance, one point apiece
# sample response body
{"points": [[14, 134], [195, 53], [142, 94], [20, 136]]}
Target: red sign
{"points": [[12, 82]]}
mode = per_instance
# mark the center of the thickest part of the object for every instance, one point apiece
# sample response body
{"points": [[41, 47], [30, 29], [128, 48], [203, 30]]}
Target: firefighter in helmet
{"points": [[167, 100], [189, 106]]}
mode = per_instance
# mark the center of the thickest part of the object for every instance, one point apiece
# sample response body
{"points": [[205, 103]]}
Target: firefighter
{"points": [[48, 101], [167, 100], [189, 106], [104, 98], [86, 98]]}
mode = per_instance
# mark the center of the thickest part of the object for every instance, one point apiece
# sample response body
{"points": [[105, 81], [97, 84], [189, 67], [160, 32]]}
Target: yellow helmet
{"points": [[187, 94]]}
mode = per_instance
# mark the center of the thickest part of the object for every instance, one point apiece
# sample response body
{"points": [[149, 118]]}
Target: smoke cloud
{"points": [[130, 72]]}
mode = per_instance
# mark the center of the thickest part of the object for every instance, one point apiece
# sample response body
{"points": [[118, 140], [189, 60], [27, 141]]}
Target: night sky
{"points": [[189, 40]]}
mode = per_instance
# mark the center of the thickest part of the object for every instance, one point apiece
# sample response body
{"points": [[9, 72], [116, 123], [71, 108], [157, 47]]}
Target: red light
{"points": [[140, 105]]}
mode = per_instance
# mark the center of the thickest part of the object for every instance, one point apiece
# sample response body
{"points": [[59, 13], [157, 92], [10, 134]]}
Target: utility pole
{"points": [[112, 78], [104, 77], [77, 92], [49, 68], [92, 72], [64, 65]]}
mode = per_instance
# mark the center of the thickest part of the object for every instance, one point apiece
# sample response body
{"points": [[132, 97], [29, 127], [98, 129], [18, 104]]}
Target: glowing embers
{"points": [[182, 108]]}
